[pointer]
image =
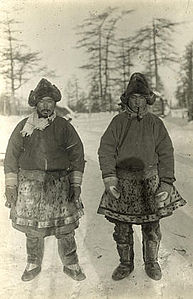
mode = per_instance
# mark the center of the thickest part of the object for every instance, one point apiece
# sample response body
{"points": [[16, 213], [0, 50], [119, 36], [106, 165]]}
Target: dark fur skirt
{"points": [[42, 204], [137, 203]]}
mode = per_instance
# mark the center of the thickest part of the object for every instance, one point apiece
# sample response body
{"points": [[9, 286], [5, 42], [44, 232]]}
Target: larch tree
{"points": [[184, 92], [98, 40], [155, 44], [18, 63]]}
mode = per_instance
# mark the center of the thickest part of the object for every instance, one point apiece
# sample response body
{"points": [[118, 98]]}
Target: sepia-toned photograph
{"points": [[96, 149]]}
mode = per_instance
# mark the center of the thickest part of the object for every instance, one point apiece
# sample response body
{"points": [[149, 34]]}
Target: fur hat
{"points": [[44, 89], [138, 84]]}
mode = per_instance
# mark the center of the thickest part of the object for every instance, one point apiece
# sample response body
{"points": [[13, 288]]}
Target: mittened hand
{"points": [[113, 191], [165, 187], [11, 195], [163, 195], [74, 193], [111, 186]]}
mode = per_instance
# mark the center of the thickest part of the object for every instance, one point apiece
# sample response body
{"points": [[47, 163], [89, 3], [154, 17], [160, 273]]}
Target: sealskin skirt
{"points": [[42, 204], [137, 202]]}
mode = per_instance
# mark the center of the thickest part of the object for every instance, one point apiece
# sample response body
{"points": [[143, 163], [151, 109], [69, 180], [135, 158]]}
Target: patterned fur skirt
{"points": [[42, 204], [137, 203]]}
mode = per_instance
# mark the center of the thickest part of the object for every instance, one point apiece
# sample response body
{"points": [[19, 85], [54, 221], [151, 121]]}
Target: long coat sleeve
{"points": [[75, 149], [14, 149], [108, 151], [165, 152]]}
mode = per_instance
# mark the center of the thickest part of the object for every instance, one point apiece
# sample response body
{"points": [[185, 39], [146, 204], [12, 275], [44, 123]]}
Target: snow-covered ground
{"points": [[96, 248]]}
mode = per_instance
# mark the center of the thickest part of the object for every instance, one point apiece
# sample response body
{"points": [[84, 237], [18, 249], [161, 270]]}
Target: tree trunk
{"points": [[128, 65], [12, 100], [100, 66], [155, 55], [76, 91], [190, 89], [124, 66], [106, 74]]}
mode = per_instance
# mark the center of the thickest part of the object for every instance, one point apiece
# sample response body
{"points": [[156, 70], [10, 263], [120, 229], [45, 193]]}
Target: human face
{"points": [[45, 107], [137, 101]]}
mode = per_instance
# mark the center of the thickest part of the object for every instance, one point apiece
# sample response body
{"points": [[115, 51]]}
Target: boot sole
{"points": [[150, 272], [126, 275], [29, 275], [74, 275], [153, 277]]}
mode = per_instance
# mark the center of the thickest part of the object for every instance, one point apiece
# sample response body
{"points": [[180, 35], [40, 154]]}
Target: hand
{"points": [[113, 191], [11, 195], [74, 193], [163, 195], [111, 186]]}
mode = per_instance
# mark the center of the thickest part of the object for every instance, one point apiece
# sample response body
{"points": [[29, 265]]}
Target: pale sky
{"points": [[47, 26]]}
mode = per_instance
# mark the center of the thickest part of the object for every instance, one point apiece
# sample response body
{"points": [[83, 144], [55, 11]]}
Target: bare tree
{"points": [[154, 41], [98, 40], [110, 56], [184, 91], [17, 62], [126, 51], [76, 98], [91, 41]]}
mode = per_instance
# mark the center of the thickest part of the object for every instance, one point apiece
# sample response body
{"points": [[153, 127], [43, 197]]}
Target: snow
{"points": [[96, 248], [181, 133]]}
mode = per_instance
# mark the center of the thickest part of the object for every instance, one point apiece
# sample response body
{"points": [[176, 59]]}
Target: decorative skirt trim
{"points": [[47, 231], [50, 223], [139, 219], [131, 218]]}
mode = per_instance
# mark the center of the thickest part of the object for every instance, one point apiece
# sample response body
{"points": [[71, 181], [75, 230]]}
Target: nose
{"points": [[137, 101], [140, 102], [45, 105]]}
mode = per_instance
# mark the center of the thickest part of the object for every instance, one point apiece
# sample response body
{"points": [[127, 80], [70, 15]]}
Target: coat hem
{"points": [[46, 224], [47, 231], [140, 219]]}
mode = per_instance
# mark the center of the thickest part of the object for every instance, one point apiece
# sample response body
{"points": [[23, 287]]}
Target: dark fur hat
{"points": [[138, 84], [44, 89]]}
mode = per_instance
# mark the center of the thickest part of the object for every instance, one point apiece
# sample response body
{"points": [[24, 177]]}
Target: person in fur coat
{"points": [[44, 165], [137, 163]]}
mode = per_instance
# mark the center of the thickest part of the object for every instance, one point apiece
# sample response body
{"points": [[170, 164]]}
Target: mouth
{"points": [[45, 111]]}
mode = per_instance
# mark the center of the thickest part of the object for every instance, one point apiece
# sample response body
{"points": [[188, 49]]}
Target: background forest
{"points": [[108, 55]]}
